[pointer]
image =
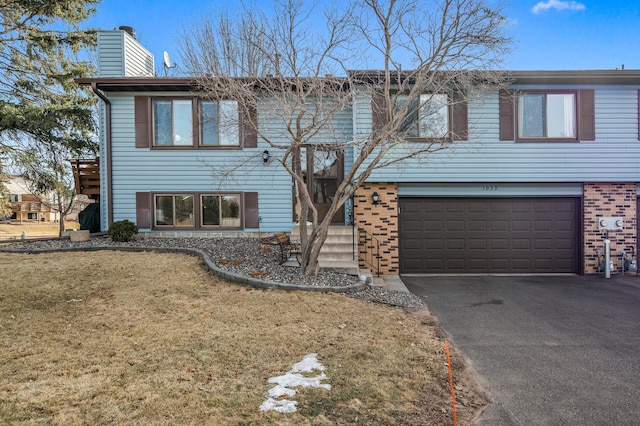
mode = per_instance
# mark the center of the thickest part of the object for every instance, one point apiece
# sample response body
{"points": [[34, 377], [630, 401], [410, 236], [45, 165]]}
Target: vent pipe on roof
{"points": [[129, 30]]}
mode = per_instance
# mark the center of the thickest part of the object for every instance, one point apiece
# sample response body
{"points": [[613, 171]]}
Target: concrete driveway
{"points": [[550, 350]]}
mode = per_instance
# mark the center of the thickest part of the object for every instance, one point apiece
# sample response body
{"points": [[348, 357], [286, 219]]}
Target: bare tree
{"points": [[225, 45], [449, 48], [45, 167]]}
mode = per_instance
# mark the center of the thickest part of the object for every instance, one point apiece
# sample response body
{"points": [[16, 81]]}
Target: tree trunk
{"points": [[316, 240], [61, 225], [62, 214]]}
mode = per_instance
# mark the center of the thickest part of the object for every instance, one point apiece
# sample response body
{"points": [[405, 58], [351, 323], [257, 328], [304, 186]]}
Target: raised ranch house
{"points": [[538, 171]]}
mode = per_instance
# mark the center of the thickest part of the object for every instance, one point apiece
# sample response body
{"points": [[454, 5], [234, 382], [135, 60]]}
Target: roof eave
{"points": [[126, 84], [577, 77]]}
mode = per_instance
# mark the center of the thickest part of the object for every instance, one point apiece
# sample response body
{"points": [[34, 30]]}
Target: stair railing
{"points": [[368, 249]]}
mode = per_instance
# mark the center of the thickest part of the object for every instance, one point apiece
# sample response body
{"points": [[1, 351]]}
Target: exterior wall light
{"points": [[266, 156], [375, 198]]}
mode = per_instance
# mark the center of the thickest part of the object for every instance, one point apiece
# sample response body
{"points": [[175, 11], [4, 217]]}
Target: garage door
{"points": [[489, 235]]}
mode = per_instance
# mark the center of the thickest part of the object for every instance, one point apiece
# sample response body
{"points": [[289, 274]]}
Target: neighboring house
{"points": [[26, 206], [523, 191]]}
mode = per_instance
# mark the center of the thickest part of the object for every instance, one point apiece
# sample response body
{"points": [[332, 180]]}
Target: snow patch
{"points": [[293, 378], [281, 406]]}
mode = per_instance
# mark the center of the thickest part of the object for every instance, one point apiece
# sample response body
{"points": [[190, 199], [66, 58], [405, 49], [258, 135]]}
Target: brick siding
{"points": [[608, 200], [380, 221], [599, 199]]}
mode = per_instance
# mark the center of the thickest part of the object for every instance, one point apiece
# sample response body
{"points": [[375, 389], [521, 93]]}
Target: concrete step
{"points": [[337, 247], [333, 230], [342, 266], [344, 239], [342, 257]]}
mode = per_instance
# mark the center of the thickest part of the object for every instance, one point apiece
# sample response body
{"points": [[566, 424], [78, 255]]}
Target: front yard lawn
{"points": [[148, 338]]}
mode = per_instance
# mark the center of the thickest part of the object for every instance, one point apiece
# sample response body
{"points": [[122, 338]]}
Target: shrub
{"points": [[122, 230]]}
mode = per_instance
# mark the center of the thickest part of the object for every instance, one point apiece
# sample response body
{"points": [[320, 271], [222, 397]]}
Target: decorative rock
{"points": [[79, 236]]}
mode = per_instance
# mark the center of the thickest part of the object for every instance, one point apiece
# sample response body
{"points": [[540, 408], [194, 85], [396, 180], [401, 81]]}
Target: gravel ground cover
{"points": [[243, 256]]}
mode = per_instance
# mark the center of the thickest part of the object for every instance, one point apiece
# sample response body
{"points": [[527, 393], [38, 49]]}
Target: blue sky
{"points": [[548, 34]]}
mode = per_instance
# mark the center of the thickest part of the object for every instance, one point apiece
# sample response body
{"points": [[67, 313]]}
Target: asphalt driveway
{"points": [[550, 350]]}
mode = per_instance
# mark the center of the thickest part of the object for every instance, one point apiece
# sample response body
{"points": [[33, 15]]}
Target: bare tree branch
{"points": [[300, 84]]}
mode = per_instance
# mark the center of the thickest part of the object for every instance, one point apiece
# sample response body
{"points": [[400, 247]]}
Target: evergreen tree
{"points": [[5, 205], [40, 104], [39, 41]]}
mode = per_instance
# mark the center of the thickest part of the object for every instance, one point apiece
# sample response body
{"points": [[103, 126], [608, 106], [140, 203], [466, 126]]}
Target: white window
{"points": [[216, 121], [427, 116], [221, 211], [547, 115], [219, 123], [172, 122], [174, 210], [195, 210]]}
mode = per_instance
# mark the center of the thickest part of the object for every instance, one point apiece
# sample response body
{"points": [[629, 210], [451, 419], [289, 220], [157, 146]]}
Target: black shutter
{"points": [[143, 209], [251, 216], [587, 119], [506, 112], [460, 121], [379, 111], [249, 125], [141, 113]]}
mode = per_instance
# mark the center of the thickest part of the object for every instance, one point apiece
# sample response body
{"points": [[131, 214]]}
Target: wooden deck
{"points": [[86, 174]]}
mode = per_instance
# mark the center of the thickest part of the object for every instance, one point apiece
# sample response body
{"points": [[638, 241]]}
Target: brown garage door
{"points": [[489, 235]]}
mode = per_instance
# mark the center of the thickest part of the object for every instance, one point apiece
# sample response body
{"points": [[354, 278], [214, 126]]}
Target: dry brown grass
{"points": [[14, 230], [148, 338]]}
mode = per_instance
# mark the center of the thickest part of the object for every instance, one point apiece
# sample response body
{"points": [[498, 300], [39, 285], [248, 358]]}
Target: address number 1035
{"points": [[489, 187]]}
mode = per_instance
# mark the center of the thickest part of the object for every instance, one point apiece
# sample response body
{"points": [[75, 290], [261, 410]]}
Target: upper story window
{"points": [[440, 116], [547, 115], [219, 123], [190, 122], [172, 122], [427, 116], [14, 198]]}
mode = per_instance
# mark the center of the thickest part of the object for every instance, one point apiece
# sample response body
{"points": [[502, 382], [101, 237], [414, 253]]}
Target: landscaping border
{"points": [[231, 276]]}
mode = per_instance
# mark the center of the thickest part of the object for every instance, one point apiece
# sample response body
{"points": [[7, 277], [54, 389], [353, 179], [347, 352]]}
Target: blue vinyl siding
{"points": [[110, 53], [120, 55], [490, 190], [613, 156], [139, 62], [148, 170]]}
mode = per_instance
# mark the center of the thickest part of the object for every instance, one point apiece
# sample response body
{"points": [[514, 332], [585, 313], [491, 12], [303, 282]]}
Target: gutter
{"points": [[107, 119]]}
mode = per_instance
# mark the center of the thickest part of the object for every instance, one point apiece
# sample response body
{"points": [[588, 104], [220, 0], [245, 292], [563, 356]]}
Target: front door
{"points": [[323, 172]]}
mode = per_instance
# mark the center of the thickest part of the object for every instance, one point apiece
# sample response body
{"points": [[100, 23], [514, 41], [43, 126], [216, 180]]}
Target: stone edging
{"points": [[231, 276]]}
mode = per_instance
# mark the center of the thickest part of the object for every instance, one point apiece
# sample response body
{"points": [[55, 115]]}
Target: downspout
{"points": [[107, 127]]}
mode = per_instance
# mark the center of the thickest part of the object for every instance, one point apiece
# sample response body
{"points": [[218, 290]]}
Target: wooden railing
{"points": [[86, 174], [30, 206]]}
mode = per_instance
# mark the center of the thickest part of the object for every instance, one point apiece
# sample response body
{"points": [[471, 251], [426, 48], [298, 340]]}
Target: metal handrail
{"points": [[368, 249]]}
